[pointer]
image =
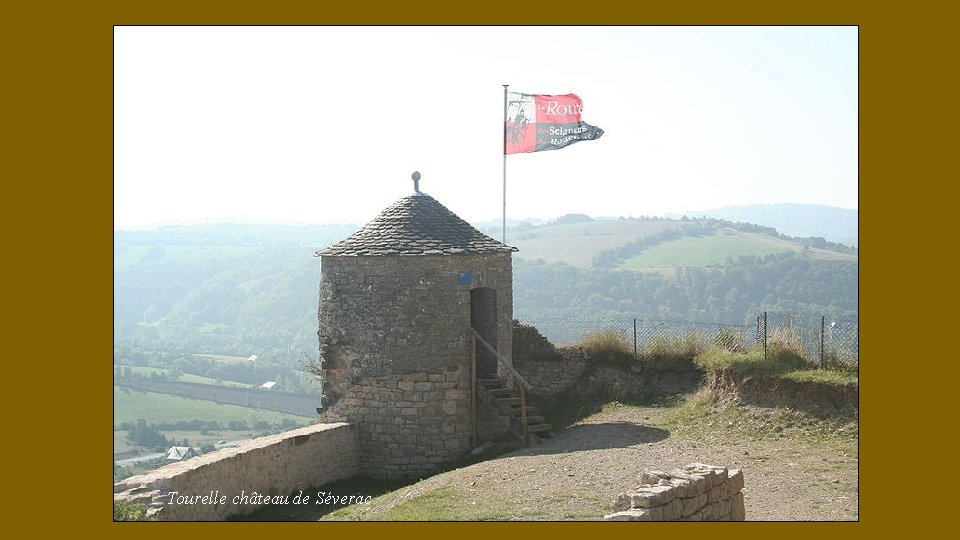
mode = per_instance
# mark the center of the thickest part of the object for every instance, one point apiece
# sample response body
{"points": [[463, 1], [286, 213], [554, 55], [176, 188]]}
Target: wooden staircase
{"points": [[506, 404], [506, 398]]}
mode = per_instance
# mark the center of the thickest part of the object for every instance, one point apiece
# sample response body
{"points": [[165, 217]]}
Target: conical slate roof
{"points": [[416, 225]]}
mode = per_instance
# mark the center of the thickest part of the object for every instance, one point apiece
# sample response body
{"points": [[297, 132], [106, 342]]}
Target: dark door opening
{"points": [[483, 318]]}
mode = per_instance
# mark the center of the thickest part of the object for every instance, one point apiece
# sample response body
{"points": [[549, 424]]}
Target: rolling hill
{"points": [[245, 289], [801, 220]]}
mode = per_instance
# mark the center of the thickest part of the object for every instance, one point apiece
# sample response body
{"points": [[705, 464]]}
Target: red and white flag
{"points": [[537, 122]]}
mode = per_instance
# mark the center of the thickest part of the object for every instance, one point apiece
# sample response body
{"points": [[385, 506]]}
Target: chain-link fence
{"points": [[643, 333], [820, 339]]}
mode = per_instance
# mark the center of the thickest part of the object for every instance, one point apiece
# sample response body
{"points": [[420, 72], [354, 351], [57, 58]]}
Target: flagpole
{"points": [[504, 223]]}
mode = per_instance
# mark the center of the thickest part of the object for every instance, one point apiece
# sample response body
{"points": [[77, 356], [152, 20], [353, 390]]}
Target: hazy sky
{"points": [[326, 124]]}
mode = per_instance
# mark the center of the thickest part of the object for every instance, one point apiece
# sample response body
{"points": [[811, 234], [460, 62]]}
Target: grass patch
{"points": [[782, 361], [439, 505], [752, 362], [837, 377]]}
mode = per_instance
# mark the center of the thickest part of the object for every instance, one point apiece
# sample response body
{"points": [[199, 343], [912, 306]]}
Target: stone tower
{"points": [[397, 301]]}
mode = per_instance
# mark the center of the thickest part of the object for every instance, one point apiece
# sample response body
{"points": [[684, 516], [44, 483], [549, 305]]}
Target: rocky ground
{"points": [[795, 468]]}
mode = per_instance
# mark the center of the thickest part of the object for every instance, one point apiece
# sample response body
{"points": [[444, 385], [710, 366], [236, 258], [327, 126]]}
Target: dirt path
{"points": [[577, 474]]}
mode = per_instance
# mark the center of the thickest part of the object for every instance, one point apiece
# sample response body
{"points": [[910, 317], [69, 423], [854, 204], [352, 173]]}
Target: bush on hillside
{"points": [[750, 363], [128, 511], [608, 347], [672, 353]]}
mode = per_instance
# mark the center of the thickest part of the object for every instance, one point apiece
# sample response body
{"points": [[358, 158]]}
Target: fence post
{"points": [[823, 319], [764, 336], [634, 338]]}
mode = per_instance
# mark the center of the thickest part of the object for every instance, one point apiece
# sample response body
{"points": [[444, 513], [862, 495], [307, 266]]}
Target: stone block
{"points": [[635, 514], [712, 473], [423, 386], [737, 510], [648, 497], [405, 385], [623, 502], [735, 480], [652, 478], [672, 510], [680, 486], [711, 512], [690, 505], [696, 484], [714, 494], [455, 394]]}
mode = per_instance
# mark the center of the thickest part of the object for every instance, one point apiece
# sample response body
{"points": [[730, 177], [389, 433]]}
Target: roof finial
{"points": [[416, 183]]}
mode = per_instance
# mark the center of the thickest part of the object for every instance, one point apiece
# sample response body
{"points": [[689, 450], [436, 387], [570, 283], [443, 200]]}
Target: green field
{"points": [[579, 242], [708, 250], [129, 405], [185, 377]]}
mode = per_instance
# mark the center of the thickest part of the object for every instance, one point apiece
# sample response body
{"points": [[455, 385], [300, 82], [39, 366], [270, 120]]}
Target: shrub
{"points": [[751, 362], [607, 347], [672, 353], [128, 511], [786, 341], [729, 339]]}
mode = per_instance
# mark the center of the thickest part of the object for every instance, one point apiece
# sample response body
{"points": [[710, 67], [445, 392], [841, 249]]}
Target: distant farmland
{"points": [[130, 404], [716, 248], [580, 242]]}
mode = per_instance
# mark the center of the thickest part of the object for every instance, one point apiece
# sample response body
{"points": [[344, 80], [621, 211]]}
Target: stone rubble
{"points": [[698, 492]]}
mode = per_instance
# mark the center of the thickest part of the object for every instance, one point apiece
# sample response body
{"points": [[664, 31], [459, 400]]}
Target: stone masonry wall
{"points": [[568, 370], [394, 315], [553, 375], [410, 424], [395, 349], [273, 466], [698, 492]]}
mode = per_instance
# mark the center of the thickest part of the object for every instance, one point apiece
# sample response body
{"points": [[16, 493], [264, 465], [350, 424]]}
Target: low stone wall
{"points": [[569, 371], [239, 480], [554, 374], [816, 398], [621, 383], [698, 492]]}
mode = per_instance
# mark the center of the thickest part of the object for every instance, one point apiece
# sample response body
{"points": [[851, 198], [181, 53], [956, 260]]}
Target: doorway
{"points": [[483, 317]]}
